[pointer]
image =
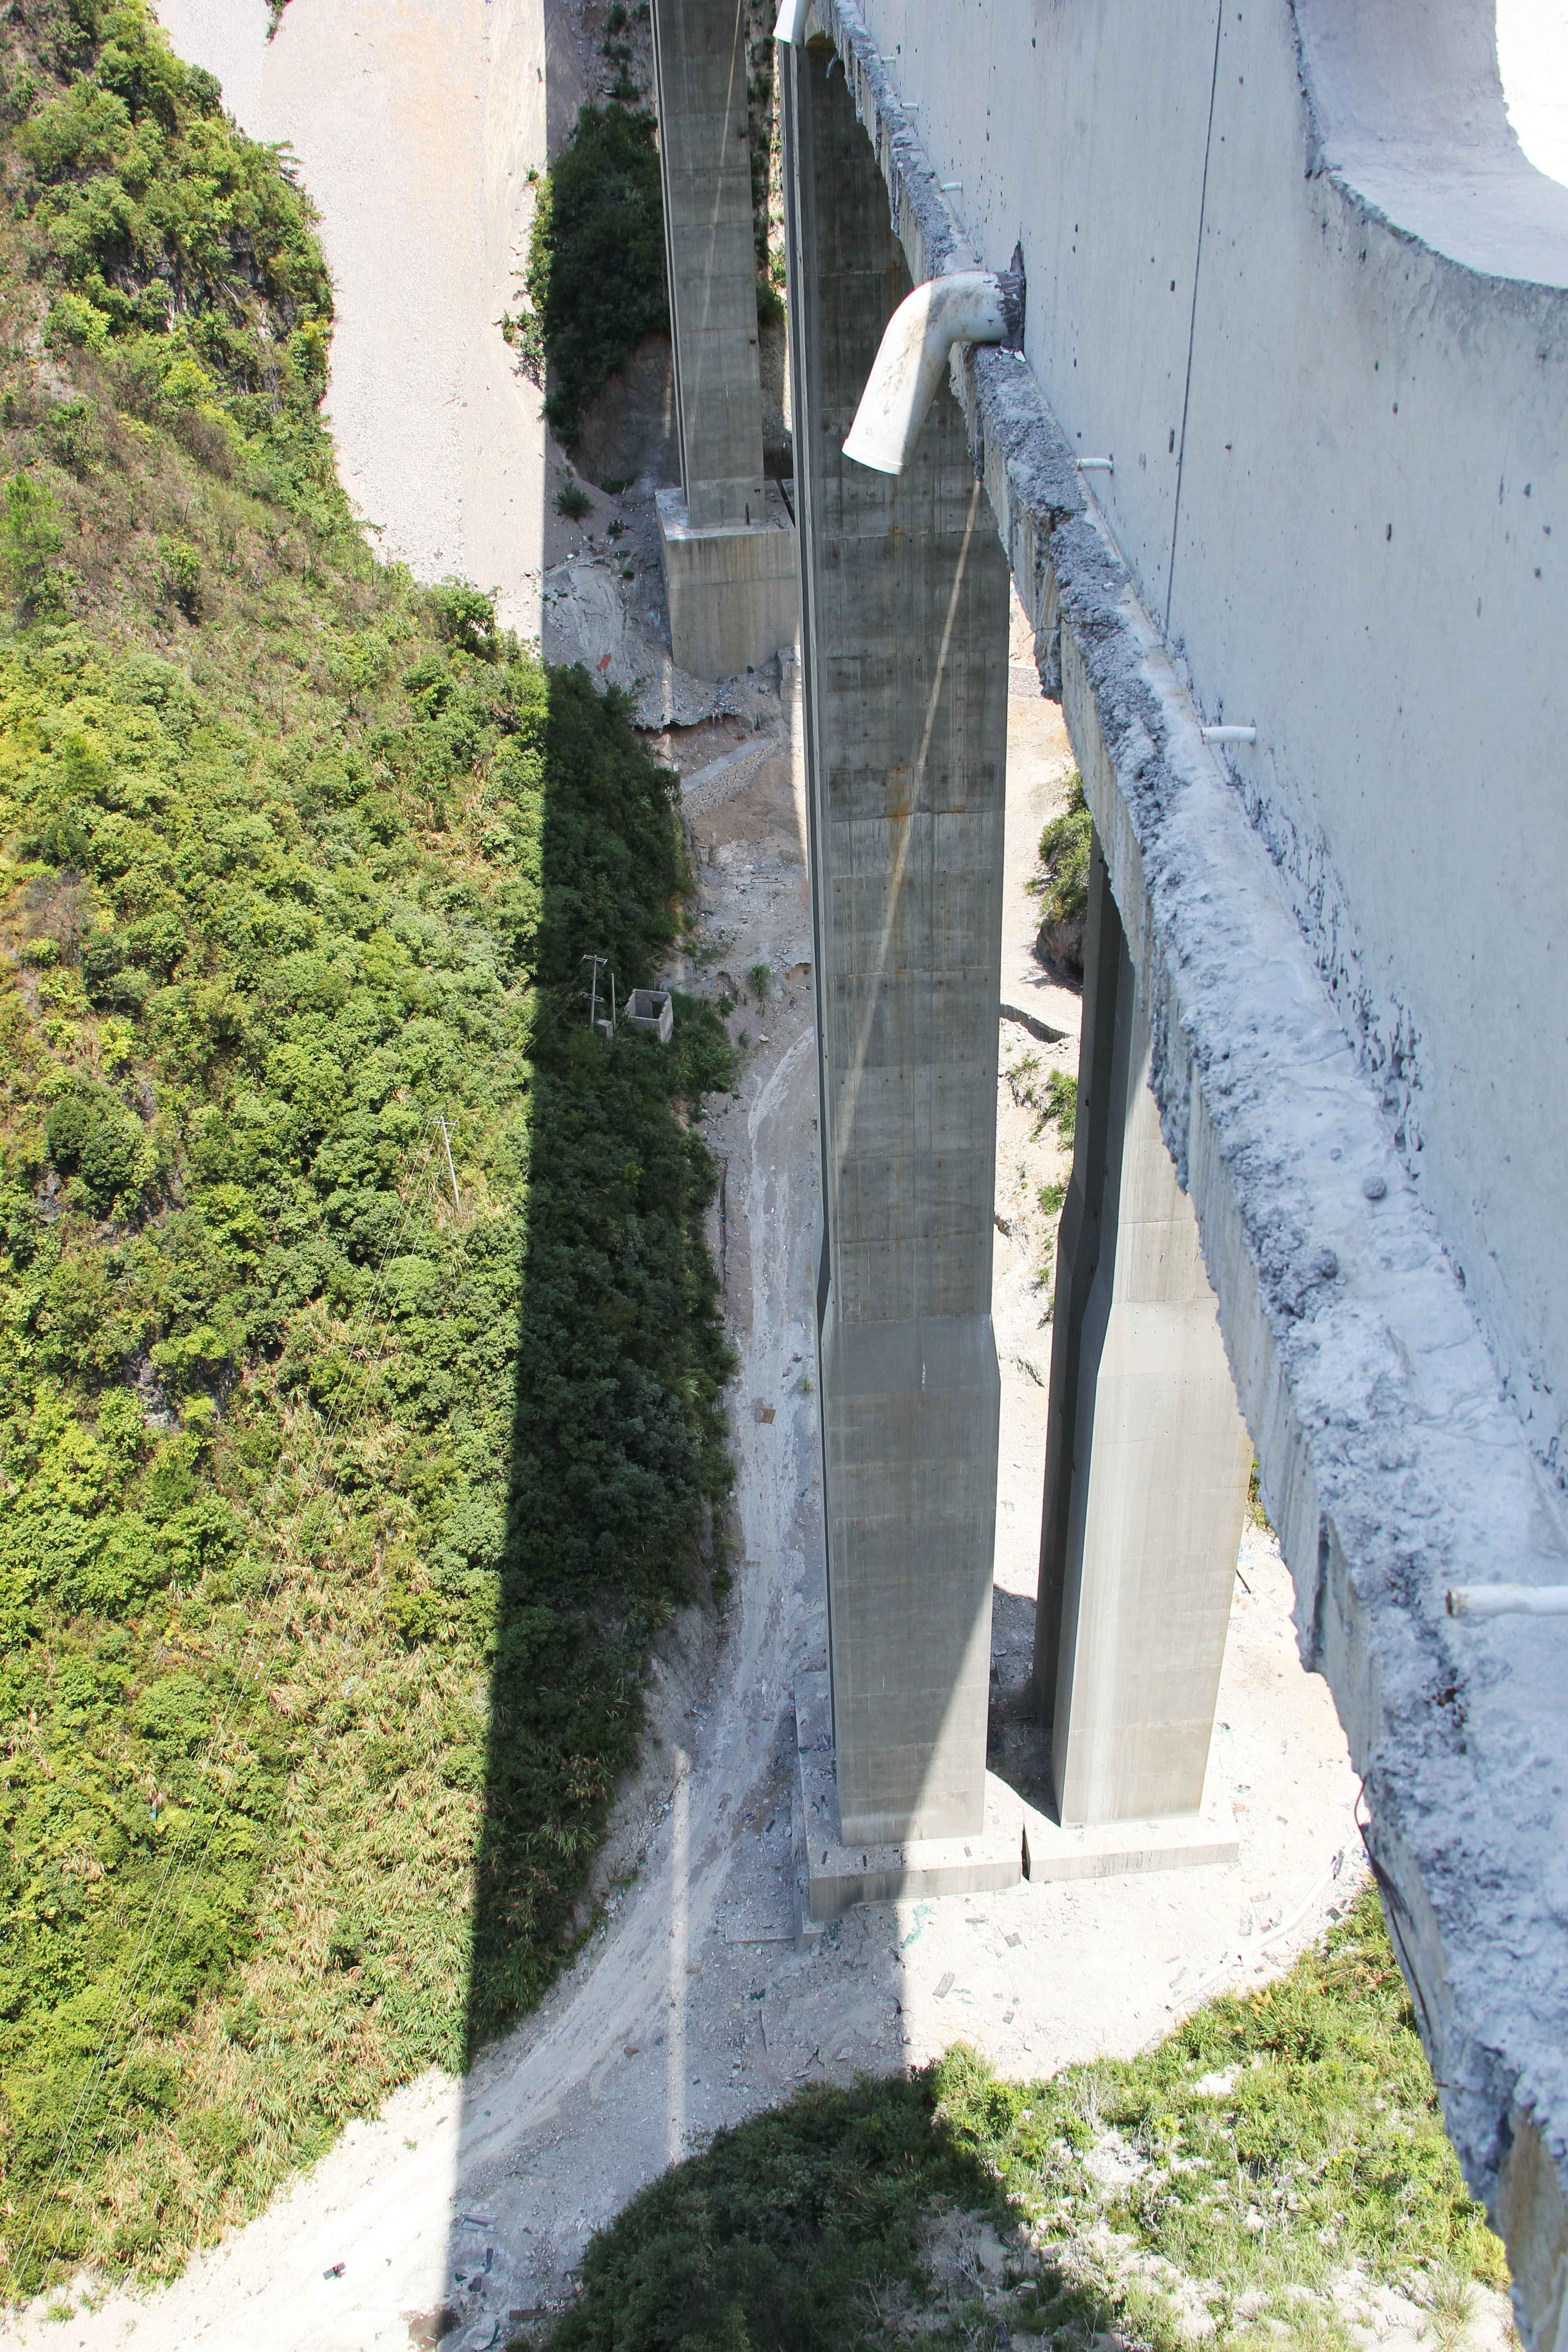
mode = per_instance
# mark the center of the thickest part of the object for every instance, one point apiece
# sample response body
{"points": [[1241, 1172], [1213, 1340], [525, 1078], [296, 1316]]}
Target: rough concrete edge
{"points": [[1125, 1849], [1391, 1465]]}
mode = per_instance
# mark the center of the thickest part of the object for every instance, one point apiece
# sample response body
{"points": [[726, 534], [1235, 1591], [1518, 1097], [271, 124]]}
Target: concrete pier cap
{"points": [[1394, 1460]]}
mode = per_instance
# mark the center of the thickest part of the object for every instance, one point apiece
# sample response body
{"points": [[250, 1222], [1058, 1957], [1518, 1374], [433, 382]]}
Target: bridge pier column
{"points": [[1147, 1457], [725, 536], [904, 648]]}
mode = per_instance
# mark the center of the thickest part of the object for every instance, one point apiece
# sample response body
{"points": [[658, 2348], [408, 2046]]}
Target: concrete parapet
{"points": [[835, 1876], [732, 588]]}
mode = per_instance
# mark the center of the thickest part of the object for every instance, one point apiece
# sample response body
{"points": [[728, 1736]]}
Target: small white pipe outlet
{"points": [[971, 306], [1509, 1600], [1230, 734], [1096, 465]]}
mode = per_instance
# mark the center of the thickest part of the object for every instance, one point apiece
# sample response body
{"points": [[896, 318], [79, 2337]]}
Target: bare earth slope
{"points": [[414, 128]]}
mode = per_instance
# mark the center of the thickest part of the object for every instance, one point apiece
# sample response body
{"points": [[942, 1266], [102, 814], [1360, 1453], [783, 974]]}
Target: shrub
{"points": [[31, 537], [294, 941], [813, 2228], [90, 1135], [573, 502], [182, 575], [1064, 883], [595, 263]]}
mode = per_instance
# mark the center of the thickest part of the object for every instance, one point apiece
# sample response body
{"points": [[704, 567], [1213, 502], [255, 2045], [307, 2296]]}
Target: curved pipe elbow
{"points": [[971, 306]]}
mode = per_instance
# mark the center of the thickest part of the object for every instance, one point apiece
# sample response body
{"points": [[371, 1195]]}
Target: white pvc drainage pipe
{"points": [[1509, 1600], [971, 306]]}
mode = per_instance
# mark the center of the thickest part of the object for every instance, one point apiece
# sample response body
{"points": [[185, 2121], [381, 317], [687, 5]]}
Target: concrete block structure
{"points": [[725, 538], [734, 594], [904, 630]]}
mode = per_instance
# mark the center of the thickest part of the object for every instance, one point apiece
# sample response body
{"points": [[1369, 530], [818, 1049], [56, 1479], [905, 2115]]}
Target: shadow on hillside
{"points": [[617, 1453]]}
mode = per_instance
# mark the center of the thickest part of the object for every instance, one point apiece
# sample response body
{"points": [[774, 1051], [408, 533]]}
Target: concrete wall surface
{"points": [[1286, 269], [1289, 267]]}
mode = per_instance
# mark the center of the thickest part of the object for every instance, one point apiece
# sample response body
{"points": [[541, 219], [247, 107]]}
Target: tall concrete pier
{"points": [[904, 630], [1147, 1457], [725, 535]]}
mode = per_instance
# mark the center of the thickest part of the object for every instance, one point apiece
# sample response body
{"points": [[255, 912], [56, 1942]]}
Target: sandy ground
{"points": [[692, 2005], [415, 124]]}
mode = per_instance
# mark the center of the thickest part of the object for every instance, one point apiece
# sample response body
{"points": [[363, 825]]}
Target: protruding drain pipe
{"points": [[971, 306]]}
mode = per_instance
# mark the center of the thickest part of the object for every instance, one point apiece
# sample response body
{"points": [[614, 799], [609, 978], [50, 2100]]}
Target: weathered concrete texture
{"points": [[909, 1437], [732, 589], [1391, 1465], [834, 1876], [1147, 1457], [904, 642], [699, 67]]}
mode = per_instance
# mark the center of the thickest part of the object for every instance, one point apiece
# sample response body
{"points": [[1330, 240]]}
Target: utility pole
{"points": [[457, 1197], [592, 993]]}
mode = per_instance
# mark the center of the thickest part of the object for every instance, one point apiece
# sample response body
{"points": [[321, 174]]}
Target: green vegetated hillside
{"points": [[336, 1511], [1252, 2181]]}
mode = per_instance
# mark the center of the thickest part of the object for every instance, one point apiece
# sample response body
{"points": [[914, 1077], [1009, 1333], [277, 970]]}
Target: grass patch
{"points": [[337, 1504], [1062, 883], [1052, 1096], [1063, 886], [595, 280], [1276, 2141]]}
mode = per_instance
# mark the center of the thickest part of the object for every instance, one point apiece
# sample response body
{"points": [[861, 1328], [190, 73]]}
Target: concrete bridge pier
{"points": [[725, 536], [904, 646], [1147, 1456]]}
